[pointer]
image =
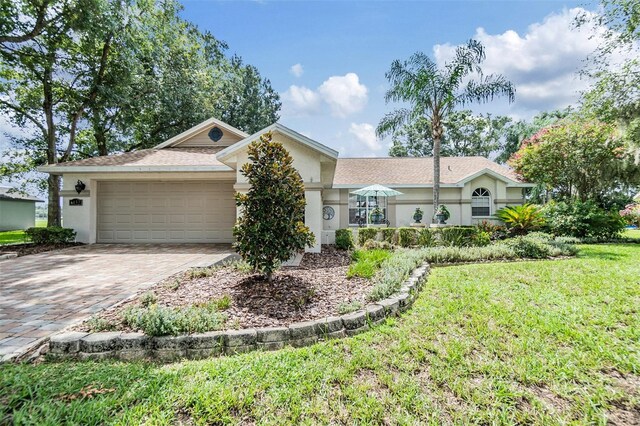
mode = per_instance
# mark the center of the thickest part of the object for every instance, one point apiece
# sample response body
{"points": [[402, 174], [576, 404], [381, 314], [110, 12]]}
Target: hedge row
{"points": [[51, 235], [454, 236]]}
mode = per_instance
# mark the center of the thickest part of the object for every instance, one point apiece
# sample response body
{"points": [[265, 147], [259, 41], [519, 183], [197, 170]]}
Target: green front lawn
{"points": [[545, 342], [12, 237]]}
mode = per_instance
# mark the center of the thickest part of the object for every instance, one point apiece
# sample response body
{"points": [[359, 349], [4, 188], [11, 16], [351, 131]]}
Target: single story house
{"points": [[182, 191], [17, 210]]}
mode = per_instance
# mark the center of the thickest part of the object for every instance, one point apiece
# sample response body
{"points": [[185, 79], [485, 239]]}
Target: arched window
{"points": [[481, 202]]}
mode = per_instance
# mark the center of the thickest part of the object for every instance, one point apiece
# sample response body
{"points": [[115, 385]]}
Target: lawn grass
{"points": [[367, 262], [546, 342], [13, 237], [631, 233]]}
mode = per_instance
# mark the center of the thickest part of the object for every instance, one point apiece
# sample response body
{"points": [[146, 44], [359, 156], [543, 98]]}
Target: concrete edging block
{"points": [[136, 346]]}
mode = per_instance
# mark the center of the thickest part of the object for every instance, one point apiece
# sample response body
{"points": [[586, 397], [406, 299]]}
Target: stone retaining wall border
{"points": [[136, 346]]}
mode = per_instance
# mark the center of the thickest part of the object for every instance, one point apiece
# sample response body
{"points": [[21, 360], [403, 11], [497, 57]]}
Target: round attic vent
{"points": [[215, 134]]}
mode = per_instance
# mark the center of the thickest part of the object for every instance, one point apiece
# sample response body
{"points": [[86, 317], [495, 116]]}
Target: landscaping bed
{"points": [[317, 288], [30, 248]]}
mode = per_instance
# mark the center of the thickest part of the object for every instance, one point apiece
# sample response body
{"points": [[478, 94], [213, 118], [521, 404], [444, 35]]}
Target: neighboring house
{"points": [[183, 189], [17, 211]]}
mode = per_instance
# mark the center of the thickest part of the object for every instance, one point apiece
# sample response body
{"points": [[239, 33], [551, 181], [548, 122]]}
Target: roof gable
{"points": [[226, 153], [201, 129]]}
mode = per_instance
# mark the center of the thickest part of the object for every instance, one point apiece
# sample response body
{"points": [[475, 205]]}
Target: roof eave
{"points": [[131, 169]]}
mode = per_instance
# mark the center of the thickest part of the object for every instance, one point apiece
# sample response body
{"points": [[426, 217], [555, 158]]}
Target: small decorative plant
{"points": [[376, 215], [442, 214], [417, 215]]}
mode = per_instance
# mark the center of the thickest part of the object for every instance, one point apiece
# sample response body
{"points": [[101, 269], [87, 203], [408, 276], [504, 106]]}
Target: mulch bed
{"points": [[313, 290], [29, 248]]}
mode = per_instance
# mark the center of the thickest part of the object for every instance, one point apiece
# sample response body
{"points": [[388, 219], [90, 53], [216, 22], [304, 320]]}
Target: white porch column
{"points": [[313, 216]]}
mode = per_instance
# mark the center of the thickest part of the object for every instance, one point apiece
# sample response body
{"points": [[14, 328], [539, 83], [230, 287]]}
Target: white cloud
{"points": [[300, 100], [365, 133], [543, 63], [297, 70], [344, 94]]}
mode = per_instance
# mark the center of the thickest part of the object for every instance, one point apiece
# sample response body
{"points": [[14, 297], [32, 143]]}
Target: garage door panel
{"points": [[165, 212]]}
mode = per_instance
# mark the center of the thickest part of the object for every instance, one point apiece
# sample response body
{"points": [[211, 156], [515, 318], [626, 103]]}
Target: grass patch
{"points": [[367, 262], [12, 237], [536, 343]]}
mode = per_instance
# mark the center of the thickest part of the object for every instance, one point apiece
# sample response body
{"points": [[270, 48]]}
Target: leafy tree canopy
{"points": [[465, 135], [577, 158], [92, 77]]}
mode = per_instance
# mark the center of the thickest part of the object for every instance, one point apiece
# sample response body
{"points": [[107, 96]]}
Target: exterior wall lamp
{"points": [[80, 186]]}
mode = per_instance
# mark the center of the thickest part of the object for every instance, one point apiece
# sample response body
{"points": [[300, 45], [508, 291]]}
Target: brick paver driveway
{"points": [[44, 293]]}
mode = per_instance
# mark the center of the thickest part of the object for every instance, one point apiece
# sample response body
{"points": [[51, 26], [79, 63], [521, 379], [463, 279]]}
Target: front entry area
{"points": [[165, 212]]}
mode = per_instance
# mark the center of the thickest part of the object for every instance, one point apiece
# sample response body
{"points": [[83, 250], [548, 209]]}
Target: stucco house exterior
{"points": [[183, 189], [17, 211]]}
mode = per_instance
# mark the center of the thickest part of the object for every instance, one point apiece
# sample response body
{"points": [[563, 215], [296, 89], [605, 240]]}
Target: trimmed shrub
{"points": [[529, 247], [344, 239], [458, 236], [51, 235], [407, 237], [377, 245], [426, 238], [365, 234], [582, 220], [390, 235]]}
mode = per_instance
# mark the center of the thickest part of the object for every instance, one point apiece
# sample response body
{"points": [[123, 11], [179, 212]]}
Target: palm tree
{"points": [[433, 93]]}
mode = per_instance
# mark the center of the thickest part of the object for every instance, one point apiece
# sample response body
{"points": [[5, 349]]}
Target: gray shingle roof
{"points": [[7, 193]]}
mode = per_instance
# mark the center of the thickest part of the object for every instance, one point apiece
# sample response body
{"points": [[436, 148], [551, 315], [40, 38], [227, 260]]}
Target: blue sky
{"points": [[327, 59]]}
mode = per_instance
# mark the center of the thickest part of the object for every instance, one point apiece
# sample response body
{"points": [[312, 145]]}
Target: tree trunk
{"points": [[437, 132], [53, 216], [53, 212]]}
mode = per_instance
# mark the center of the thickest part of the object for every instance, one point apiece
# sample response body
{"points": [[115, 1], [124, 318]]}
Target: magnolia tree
{"points": [[271, 227]]}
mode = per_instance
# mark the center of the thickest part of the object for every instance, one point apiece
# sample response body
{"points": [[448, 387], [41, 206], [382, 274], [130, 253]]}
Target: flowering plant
{"points": [[631, 214]]}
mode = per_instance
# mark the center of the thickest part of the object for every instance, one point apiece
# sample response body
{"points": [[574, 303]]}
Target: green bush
{"points": [[426, 237], [481, 239], [365, 234], [367, 262], [496, 232], [407, 237], [458, 236], [390, 235], [161, 321], [344, 239], [531, 248], [380, 245], [51, 235], [582, 220]]}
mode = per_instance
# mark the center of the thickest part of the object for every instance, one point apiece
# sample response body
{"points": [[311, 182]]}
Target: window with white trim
{"points": [[361, 207], [481, 203]]}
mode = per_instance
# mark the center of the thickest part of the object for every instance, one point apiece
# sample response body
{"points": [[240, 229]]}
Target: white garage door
{"points": [[165, 212]]}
